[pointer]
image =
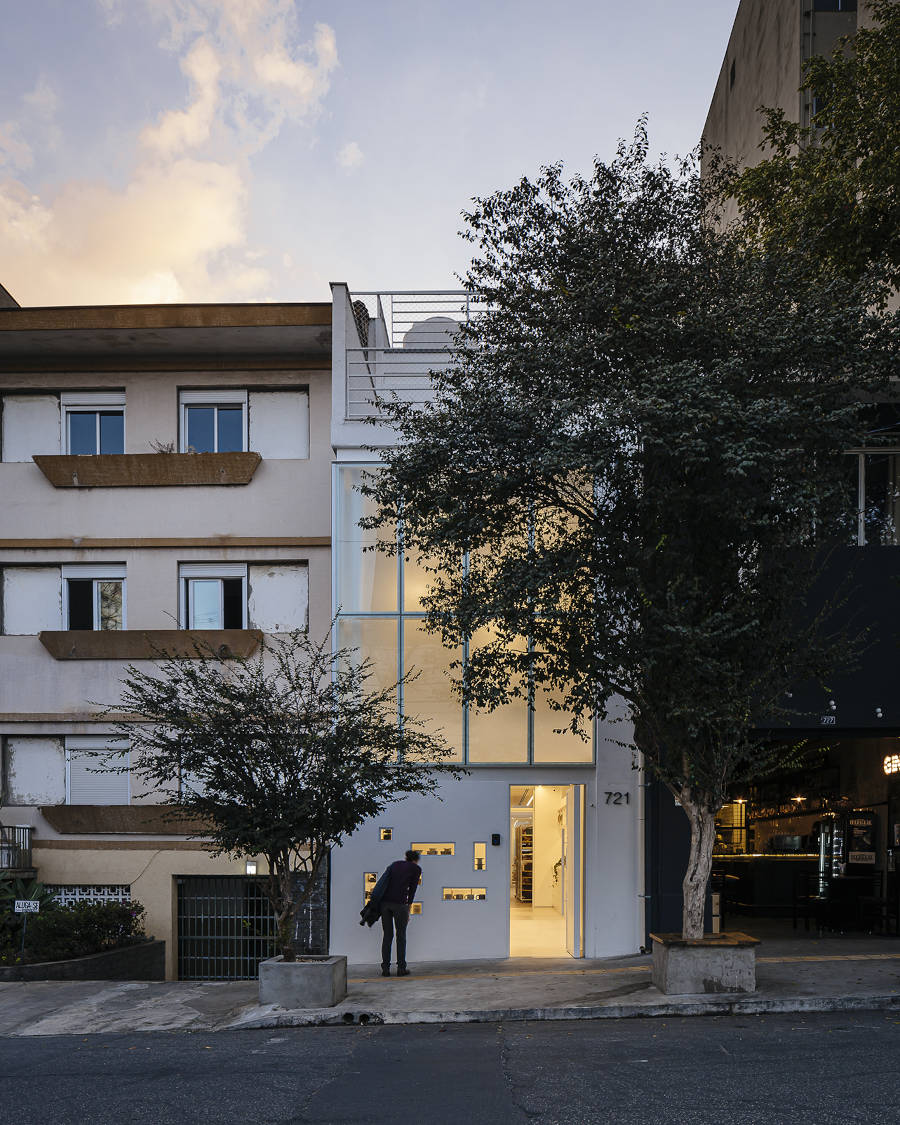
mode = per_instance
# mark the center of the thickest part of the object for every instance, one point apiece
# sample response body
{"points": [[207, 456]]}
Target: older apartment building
{"points": [[164, 475]]}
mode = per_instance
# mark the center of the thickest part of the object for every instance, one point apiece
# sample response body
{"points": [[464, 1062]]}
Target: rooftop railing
{"points": [[403, 336]]}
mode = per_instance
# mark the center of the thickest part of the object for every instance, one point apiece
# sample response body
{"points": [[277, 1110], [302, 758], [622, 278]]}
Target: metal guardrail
{"points": [[15, 848], [403, 336]]}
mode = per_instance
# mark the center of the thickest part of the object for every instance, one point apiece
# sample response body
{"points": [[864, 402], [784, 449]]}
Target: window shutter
{"points": [[88, 788]]}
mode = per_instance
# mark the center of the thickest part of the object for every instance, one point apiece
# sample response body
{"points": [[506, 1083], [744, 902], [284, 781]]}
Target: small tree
{"points": [[638, 449], [281, 754]]}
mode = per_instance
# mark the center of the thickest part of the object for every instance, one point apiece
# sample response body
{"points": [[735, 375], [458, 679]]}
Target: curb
{"points": [[740, 1005]]}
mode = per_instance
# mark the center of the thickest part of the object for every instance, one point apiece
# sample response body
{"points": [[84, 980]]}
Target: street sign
{"points": [[26, 906]]}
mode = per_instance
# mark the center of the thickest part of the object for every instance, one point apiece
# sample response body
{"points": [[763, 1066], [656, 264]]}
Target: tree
{"points": [[637, 451], [833, 188], [280, 754]]}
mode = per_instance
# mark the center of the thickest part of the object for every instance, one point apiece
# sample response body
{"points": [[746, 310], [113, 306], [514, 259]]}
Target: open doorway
{"points": [[546, 870]]}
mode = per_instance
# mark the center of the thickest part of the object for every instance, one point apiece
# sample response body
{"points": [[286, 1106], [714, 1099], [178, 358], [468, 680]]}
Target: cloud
{"points": [[166, 237], [264, 73], [350, 155], [15, 151], [177, 229], [43, 100], [180, 129]]}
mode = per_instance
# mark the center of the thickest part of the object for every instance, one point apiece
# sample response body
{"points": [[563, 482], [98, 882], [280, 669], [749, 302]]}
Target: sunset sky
{"points": [[242, 150]]}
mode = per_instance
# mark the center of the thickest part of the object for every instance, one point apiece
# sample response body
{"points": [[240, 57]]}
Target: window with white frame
{"points": [[97, 771], [213, 595], [213, 421], [93, 597], [93, 422]]}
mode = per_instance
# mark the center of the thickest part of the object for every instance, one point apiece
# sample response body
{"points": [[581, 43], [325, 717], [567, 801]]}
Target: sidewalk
{"points": [[829, 974]]}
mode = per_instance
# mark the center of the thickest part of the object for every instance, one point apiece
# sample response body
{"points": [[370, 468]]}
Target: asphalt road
{"points": [[802, 1070]]}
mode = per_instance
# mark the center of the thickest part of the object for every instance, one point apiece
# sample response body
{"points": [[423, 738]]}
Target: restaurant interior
{"points": [[816, 848]]}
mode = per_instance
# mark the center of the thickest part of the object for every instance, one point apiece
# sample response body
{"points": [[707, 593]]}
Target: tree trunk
{"points": [[696, 878]]}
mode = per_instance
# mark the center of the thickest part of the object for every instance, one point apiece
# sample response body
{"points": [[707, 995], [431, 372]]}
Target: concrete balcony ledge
{"points": [[147, 470], [118, 820], [148, 644]]}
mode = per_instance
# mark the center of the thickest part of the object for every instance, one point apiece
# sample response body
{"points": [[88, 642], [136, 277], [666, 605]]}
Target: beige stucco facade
{"points": [[272, 362]]}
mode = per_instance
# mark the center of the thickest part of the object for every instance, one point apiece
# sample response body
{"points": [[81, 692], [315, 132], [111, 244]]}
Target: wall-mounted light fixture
{"points": [[250, 867]]}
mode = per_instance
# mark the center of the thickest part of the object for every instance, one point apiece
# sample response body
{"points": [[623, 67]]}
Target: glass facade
{"points": [[378, 599]]}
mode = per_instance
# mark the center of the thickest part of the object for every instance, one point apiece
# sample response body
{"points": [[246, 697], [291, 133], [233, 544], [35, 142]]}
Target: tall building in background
{"points": [[818, 845], [763, 66]]}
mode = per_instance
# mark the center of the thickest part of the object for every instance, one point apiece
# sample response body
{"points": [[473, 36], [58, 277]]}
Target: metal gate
{"points": [[225, 927]]}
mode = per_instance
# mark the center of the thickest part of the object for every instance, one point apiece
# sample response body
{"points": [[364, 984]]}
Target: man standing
{"points": [[403, 878]]}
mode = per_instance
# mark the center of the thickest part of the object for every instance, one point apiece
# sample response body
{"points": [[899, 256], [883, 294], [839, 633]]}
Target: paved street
{"points": [[803, 1070]]}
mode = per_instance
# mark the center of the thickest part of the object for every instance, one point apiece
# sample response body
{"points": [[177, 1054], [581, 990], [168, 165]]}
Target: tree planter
{"points": [[308, 982], [714, 963]]}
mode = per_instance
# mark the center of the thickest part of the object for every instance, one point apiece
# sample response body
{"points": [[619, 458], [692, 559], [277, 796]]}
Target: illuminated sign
{"points": [[892, 763]]}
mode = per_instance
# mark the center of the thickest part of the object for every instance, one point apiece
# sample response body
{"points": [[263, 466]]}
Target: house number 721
{"points": [[618, 798]]}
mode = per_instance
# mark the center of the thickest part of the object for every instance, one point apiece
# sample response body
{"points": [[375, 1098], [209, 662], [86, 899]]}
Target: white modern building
{"points": [[539, 850]]}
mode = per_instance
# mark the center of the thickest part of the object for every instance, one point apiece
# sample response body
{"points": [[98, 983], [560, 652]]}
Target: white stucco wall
{"points": [[31, 599], [35, 770], [30, 425], [470, 811], [279, 423], [473, 809], [277, 597]]}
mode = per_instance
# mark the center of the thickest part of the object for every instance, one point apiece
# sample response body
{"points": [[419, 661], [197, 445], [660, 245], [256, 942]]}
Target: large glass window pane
{"points": [[367, 579], [375, 639], [205, 603], [428, 695], [82, 432], [201, 422], [109, 599], [416, 581], [501, 735], [231, 429], [549, 746], [112, 432]]}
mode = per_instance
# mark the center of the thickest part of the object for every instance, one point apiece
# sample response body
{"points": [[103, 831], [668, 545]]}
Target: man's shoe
{"points": [[404, 972], [385, 972]]}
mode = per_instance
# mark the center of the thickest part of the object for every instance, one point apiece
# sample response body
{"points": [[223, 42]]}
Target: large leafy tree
{"points": [[280, 754], [832, 189], [638, 453]]}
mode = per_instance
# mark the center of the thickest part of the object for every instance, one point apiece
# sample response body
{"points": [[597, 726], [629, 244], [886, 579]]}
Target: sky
{"points": [[254, 150]]}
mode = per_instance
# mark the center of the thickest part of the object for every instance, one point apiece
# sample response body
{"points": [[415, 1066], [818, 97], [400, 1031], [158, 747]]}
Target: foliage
{"points": [[833, 189], [638, 450], [12, 888], [59, 933], [281, 754]]}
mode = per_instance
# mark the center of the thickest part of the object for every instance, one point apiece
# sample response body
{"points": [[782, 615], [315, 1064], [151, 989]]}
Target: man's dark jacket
{"points": [[371, 912]]}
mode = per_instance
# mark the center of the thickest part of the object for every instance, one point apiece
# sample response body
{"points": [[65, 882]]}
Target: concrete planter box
{"points": [[308, 982], [143, 961], [714, 963]]}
